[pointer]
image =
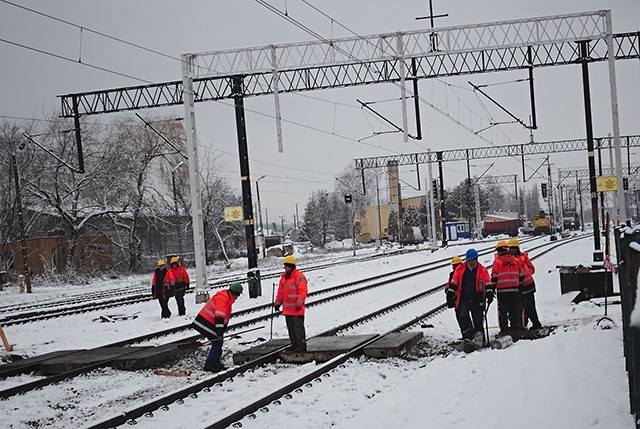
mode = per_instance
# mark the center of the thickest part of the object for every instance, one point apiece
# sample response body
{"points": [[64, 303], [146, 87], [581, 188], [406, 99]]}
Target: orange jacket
{"points": [[215, 314], [507, 273], [181, 277], [292, 292], [162, 290], [528, 284], [482, 280]]}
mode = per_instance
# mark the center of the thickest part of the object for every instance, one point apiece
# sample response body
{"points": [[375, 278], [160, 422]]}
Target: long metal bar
{"points": [[244, 174], [374, 69], [443, 211], [613, 91], [584, 53], [197, 220]]}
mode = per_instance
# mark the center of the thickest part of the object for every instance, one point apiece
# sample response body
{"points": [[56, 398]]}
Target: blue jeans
{"points": [[214, 353]]}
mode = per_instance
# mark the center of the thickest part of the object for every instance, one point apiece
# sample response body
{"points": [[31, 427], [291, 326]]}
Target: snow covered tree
{"points": [[411, 216]]}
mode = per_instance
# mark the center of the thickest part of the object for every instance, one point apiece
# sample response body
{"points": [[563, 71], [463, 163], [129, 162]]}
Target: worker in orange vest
{"points": [[212, 321], [507, 276], [161, 287], [528, 286], [469, 287], [292, 293], [181, 284]]}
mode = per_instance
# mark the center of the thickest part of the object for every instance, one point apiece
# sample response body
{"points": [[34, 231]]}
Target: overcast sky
{"points": [[325, 130]]}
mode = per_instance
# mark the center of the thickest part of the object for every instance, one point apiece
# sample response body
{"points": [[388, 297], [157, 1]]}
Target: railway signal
{"points": [[434, 186], [544, 190], [625, 183]]}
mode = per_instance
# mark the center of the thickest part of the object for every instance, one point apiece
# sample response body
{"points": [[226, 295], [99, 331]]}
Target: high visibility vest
{"points": [[507, 273], [482, 280], [528, 284], [292, 293], [181, 277], [215, 313], [166, 280]]}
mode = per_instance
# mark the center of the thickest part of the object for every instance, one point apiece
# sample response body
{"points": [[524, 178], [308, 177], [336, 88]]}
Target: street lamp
{"points": [[23, 241], [264, 249], [175, 205]]}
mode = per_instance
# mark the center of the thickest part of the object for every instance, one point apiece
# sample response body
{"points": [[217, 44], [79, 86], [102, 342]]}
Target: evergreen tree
{"points": [[393, 224]]}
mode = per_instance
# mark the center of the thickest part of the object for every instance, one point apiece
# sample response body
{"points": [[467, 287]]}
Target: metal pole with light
{"points": [[348, 200], [264, 249], [23, 240], [175, 207]]}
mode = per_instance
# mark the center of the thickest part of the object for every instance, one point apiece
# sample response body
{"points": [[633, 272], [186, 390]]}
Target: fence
{"points": [[627, 242]]}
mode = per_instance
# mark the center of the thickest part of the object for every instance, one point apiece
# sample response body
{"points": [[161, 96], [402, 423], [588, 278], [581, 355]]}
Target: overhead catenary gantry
{"points": [[382, 58]]}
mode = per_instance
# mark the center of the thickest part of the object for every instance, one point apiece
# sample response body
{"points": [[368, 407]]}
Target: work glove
{"points": [[298, 307], [481, 304], [451, 298], [219, 332], [276, 306], [489, 297]]}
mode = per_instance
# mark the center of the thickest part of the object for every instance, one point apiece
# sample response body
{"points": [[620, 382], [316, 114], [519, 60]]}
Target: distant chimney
{"points": [[392, 168]]}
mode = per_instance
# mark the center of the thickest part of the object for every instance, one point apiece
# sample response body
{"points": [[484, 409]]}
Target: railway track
{"points": [[100, 300], [317, 299], [202, 391]]}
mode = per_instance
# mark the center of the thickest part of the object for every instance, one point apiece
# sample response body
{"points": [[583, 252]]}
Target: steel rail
{"points": [[192, 390]]}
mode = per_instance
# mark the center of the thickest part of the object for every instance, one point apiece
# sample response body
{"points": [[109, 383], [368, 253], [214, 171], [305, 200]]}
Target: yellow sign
{"points": [[233, 214], [606, 183]]}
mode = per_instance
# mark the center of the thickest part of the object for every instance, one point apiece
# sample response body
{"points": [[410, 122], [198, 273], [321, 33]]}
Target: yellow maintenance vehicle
{"points": [[541, 223]]}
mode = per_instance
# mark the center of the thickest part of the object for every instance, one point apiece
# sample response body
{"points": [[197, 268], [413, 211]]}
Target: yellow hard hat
{"points": [[161, 262], [502, 243], [514, 242], [175, 260], [289, 260], [457, 260]]}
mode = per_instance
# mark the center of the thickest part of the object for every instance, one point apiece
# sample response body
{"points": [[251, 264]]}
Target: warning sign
{"points": [[233, 214], [606, 183]]}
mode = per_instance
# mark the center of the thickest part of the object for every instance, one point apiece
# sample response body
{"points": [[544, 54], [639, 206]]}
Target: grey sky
{"points": [[31, 81]]}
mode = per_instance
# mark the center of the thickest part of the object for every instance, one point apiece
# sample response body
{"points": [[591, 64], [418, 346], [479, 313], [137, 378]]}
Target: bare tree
{"points": [[77, 198]]}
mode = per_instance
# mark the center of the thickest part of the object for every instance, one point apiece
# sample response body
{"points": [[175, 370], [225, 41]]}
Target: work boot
{"points": [[215, 367]]}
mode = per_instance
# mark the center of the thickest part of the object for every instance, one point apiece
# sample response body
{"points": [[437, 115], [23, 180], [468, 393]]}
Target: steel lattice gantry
{"points": [[523, 149], [391, 57]]}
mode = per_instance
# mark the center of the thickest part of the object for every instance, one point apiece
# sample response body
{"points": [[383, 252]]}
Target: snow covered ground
{"points": [[575, 378]]}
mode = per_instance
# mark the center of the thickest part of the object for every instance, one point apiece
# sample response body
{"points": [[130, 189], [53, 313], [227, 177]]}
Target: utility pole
{"points": [[175, 207], [264, 249], [23, 240]]}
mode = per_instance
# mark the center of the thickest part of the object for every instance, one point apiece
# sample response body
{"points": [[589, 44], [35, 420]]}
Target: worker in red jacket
{"points": [[181, 283], [292, 293], [212, 321], [528, 286], [507, 276], [161, 287], [468, 290]]}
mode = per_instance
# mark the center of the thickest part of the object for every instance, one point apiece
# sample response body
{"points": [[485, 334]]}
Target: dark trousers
{"points": [[215, 353], [180, 301], [469, 316], [529, 311], [164, 305], [509, 311], [297, 335]]}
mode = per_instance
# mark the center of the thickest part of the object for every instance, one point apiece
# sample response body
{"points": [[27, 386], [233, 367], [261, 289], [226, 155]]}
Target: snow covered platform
{"points": [[322, 349], [31, 364], [69, 362]]}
